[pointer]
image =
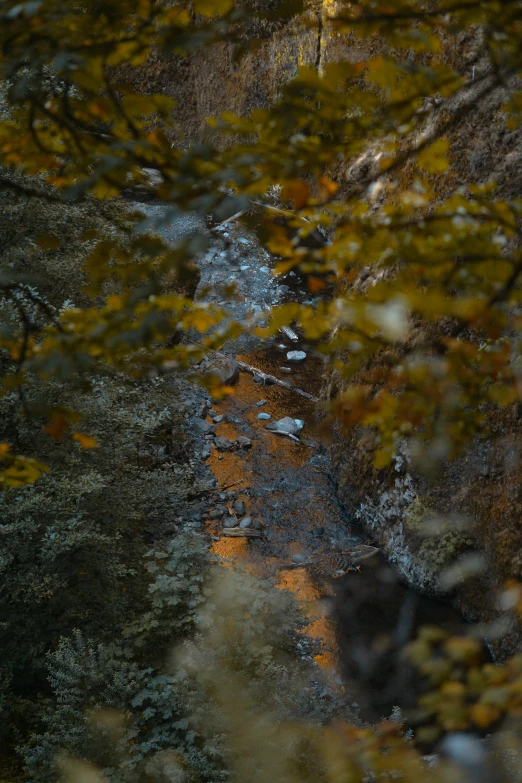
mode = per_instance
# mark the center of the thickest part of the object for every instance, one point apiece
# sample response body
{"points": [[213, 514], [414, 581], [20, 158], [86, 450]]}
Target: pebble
{"points": [[244, 443], [205, 452], [244, 268], [285, 369], [223, 444], [264, 416], [318, 531], [246, 522], [204, 427], [296, 356], [239, 507], [230, 522], [261, 403], [216, 513], [244, 241], [218, 419], [298, 559]]}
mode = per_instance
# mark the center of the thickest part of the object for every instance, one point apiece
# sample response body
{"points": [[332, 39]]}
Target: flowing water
{"points": [[361, 616]]}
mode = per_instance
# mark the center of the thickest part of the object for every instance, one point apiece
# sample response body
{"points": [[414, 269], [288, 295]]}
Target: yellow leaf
{"points": [[85, 441], [483, 715], [433, 158], [297, 192], [328, 188], [47, 242], [213, 7], [58, 427]]}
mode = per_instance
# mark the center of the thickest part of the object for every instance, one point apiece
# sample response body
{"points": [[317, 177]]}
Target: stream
{"points": [[361, 616]]}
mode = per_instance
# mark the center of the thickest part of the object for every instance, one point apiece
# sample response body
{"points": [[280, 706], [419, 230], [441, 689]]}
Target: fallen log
{"points": [[229, 220], [272, 379], [241, 532]]}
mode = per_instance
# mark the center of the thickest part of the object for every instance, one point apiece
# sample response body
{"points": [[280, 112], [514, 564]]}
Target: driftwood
{"points": [[241, 532], [229, 220], [272, 379], [361, 552]]}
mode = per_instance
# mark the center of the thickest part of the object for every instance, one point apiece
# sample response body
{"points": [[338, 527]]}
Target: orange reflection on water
{"points": [[230, 548], [298, 581]]}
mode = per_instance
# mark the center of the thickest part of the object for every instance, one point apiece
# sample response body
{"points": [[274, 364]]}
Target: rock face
{"points": [[426, 528], [225, 369]]}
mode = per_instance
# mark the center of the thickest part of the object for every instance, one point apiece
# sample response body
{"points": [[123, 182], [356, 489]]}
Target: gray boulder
{"points": [[203, 427], [226, 369], [223, 444], [286, 426]]}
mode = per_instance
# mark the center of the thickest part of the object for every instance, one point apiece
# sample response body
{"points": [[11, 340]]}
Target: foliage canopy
{"points": [[429, 344]]}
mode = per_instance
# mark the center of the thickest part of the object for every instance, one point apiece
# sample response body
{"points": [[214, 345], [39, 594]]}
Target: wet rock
{"points": [[264, 417], [286, 426], [209, 257], [261, 403], [245, 523], [226, 369], [298, 559], [203, 427], [296, 356], [223, 444], [289, 333], [230, 522], [244, 443]]}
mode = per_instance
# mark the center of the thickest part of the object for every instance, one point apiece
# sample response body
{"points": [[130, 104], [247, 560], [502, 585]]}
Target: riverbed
{"points": [[360, 614]]}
